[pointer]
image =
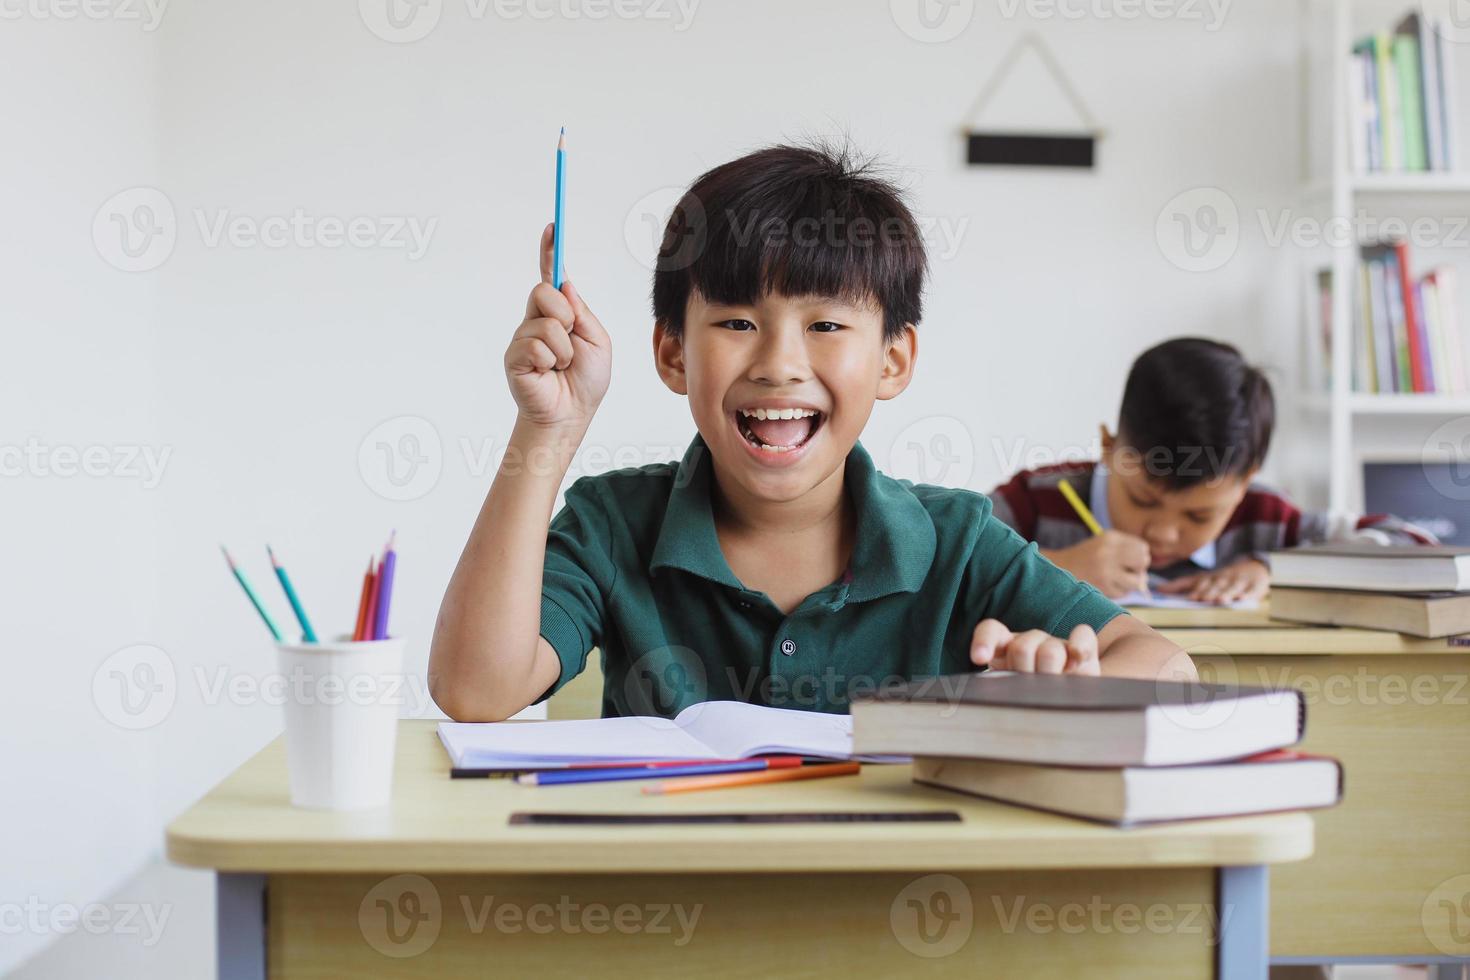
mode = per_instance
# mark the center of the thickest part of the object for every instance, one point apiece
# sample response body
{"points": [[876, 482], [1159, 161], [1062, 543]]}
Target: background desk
{"points": [[1396, 711], [305, 894]]}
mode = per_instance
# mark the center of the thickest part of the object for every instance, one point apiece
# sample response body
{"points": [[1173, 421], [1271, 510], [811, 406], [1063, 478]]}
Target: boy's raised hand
{"points": [[994, 645], [560, 357]]}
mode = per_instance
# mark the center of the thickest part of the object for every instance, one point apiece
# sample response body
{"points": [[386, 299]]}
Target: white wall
{"points": [[263, 371]]}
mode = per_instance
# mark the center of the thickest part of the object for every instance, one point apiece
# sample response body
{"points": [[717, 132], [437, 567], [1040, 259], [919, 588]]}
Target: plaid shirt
{"points": [[1264, 522]]}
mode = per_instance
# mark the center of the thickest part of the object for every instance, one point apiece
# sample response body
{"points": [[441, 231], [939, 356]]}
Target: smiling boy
{"points": [[773, 563]]}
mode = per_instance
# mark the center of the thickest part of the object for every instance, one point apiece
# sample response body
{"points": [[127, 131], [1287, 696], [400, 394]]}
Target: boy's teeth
{"points": [[777, 413]]}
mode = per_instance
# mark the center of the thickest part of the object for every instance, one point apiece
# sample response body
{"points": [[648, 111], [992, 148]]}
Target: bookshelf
{"points": [[1345, 192]]}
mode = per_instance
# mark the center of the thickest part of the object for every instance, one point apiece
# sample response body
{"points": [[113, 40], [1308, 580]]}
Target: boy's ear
{"points": [[899, 355], [668, 358], [1108, 440]]}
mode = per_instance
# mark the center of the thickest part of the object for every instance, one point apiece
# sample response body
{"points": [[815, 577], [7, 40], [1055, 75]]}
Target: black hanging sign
{"points": [[1038, 149]]}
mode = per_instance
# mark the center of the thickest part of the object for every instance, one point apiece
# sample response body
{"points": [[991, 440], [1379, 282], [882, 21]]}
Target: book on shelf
{"points": [[1407, 333], [1264, 783], [1401, 99]]}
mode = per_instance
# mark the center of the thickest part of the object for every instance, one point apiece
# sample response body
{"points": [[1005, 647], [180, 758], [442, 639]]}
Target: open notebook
{"points": [[709, 730]]}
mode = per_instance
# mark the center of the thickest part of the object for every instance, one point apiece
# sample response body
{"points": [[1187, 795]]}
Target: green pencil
{"points": [[308, 635], [250, 594]]}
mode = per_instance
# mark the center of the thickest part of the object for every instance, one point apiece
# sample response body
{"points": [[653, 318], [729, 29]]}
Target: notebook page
{"points": [[734, 730], [640, 739]]}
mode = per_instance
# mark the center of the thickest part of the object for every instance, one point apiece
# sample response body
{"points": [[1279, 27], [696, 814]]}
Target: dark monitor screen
{"points": [[1432, 494]]}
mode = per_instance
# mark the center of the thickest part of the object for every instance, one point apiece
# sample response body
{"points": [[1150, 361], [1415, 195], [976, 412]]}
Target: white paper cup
{"points": [[342, 700]]}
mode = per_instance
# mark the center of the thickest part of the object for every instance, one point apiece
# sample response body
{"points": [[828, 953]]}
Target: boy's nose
{"points": [[780, 360]]}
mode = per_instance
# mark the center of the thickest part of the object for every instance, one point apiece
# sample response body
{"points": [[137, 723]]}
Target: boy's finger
{"points": [[586, 325], [1021, 650], [547, 302], [1081, 646], [989, 637], [1051, 656], [548, 240]]}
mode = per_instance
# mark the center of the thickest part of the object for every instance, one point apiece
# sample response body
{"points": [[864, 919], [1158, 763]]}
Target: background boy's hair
{"points": [[793, 220], [1199, 409]]}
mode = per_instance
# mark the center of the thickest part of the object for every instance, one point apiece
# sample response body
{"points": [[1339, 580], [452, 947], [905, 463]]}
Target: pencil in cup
{"points": [[270, 624], [693, 784]]}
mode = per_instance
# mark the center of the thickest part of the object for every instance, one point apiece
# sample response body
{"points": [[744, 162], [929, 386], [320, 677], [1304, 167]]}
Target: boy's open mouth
{"points": [[778, 430]]}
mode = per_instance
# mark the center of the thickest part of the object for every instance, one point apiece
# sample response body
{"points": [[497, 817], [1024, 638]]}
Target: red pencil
{"points": [[376, 578], [362, 602]]}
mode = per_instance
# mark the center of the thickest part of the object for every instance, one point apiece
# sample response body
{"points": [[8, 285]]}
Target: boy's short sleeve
{"points": [[1009, 580], [574, 580]]}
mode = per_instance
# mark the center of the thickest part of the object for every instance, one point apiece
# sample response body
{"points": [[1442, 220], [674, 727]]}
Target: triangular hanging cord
{"points": [[1032, 40]]}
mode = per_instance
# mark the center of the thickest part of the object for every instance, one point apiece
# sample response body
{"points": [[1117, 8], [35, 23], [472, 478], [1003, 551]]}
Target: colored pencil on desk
{"points": [[1079, 507], [308, 635], [558, 238], [385, 590], [250, 593], [562, 776], [362, 602], [696, 783]]}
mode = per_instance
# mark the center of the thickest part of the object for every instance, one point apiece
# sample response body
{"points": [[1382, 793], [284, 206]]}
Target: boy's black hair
{"points": [[793, 220], [1195, 411]]}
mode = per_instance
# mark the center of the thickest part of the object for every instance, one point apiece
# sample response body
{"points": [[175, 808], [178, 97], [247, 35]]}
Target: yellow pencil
{"points": [[1079, 507], [691, 783]]}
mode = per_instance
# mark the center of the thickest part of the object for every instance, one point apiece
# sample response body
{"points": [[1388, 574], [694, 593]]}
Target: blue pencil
{"points": [[558, 235], [307, 633], [270, 624], [562, 776]]}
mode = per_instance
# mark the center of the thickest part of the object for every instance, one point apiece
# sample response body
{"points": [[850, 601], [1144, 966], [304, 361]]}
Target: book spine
{"points": [[1413, 324], [1390, 126], [1432, 343], [1365, 337], [1382, 327], [1411, 104], [1431, 88], [1448, 95], [1458, 348]]}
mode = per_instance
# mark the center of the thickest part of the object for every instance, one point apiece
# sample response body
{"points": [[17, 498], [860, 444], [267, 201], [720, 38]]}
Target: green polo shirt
{"points": [[634, 567]]}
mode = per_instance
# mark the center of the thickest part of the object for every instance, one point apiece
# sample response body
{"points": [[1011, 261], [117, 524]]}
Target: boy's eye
{"points": [[737, 324], [826, 326], [1141, 503], [1199, 518]]}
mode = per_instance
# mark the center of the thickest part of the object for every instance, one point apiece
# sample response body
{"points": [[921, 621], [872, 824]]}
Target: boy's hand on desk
{"points": [[994, 645], [1115, 562], [1244, 579], [560, 357]]}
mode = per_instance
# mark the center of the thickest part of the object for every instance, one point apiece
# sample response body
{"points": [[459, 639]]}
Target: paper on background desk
{"points": [[1163, 600]]}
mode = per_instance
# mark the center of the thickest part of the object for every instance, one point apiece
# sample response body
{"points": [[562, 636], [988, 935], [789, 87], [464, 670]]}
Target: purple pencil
{"points": [[385, 590]]}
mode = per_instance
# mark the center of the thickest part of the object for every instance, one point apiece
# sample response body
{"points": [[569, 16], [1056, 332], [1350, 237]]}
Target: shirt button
{"points": [[788, 646]]}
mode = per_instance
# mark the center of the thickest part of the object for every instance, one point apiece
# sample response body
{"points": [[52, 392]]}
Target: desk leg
{"points": [[240, 926], [1244, 907]]}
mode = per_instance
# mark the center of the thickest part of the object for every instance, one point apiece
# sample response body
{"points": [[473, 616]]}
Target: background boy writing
{"points": [[1174, 489], [773, 563]]}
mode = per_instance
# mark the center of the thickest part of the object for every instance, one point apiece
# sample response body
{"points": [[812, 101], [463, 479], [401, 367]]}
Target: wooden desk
{"points": [[1396, 711], [422, 888]]}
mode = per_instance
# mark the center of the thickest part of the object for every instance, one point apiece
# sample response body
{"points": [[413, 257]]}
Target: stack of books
{"points": [[1401, 98], [1412, 589], [1109, 749], [1409, 338]]}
